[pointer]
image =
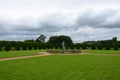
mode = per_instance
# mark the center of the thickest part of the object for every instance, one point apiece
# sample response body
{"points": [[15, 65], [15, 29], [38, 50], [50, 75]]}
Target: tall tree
{"points": [[57, 40], [41, 38]]}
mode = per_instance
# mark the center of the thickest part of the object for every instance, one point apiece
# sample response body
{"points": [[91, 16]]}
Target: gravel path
{"points": [[47, 54], [22, 57]]}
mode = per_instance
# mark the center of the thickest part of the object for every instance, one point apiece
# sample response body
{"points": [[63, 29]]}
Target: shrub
{"points": [[24, 46], [0, 48], [35, 46], [93, 47], [7, 46], [29, 46], [17, 48], [115, 47], [100, 47], [107, 48]]}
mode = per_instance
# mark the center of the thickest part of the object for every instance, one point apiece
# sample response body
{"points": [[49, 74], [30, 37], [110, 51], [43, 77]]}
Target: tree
{"points": [[114, 39], [78, 46], [115, 47], [93, 46], [84, 46], [57, 40], [40, 46], [31, 40], [0, 47], [17, 46], [107, 46], [35, 45], [29, 45], [7, 46], [100, 47], [41, 39], [24, 46]]}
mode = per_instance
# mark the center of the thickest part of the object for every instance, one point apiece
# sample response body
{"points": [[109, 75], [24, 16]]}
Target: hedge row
{"points": [[30, 46]]}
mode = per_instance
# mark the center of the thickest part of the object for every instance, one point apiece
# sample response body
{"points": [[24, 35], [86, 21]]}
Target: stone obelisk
{"points": [[63, 46]]}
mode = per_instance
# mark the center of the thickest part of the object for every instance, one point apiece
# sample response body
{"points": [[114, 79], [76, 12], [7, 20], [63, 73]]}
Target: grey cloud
{"points": [[98, 20], [86, 27]]}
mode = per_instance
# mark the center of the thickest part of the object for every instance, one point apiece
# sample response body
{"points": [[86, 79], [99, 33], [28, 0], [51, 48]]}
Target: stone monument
{"points": [[63, 46]]}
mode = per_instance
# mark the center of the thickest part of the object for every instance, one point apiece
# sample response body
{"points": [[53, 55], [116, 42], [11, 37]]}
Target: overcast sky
{"points": [[82, 20]]}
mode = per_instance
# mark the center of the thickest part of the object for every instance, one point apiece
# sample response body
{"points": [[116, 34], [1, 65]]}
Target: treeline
{"points": [[100, 45], [55, 42]]}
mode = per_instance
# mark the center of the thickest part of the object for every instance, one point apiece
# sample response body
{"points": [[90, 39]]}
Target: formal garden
{"points": [[90, 60]]}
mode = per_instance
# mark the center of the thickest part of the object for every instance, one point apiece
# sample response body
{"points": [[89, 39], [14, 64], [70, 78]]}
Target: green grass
{"points": [[103, 51], [62, 67], [6, 54]]}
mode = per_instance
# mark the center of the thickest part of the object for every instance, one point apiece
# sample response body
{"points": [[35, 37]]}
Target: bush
{"points": [[77, 46], [35, 46], [7, 46], [71, 47], [29, 47], [39, 47], [100, 47], [93, 47], [107, 48], [0, 48], [17, 48], [24, 46], [84, 46], [115, 47]]}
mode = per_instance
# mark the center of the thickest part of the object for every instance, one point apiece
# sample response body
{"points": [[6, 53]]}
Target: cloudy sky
{"points": [[82, 20]]}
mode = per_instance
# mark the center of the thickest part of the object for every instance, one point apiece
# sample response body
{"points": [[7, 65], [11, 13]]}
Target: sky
{"points": [[82, 20]]}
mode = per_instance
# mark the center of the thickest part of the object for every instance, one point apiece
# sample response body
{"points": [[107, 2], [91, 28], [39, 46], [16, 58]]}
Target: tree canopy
{"points": [[59, 39], [41, 38]]}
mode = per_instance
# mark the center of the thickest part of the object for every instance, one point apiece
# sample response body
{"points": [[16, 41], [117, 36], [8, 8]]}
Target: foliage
{"points": [[115, 47], [41, 38], [24, 46], [57, 40], [35, 45], [100, 47], [0, 47], [77, 46], [29, 45], [93, 46], [7, 46], [18, 46], [84, 46]]}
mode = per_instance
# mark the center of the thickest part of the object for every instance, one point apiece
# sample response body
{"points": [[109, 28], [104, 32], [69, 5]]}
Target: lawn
{"points": [[62, 67], [6, 54], [103, 51]]}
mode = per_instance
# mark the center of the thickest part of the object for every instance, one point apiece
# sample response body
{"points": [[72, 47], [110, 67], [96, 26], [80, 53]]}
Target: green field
{"points": [[6, 54], [103, 51], [62, 67]]}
